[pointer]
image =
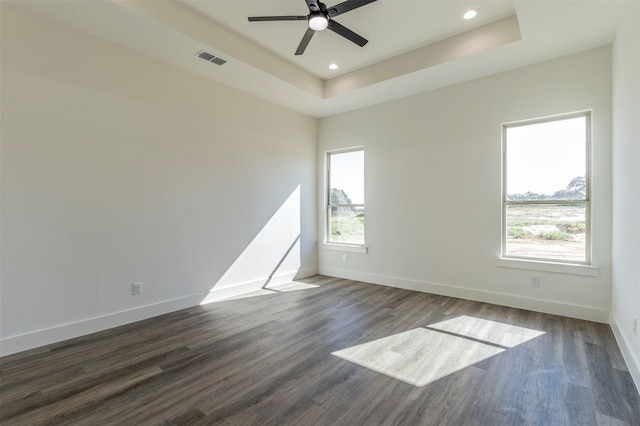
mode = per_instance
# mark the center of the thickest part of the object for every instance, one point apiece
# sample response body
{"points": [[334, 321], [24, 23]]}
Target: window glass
{"points": [[547, 160], [347, 225], [547, 231], [347, 177]]}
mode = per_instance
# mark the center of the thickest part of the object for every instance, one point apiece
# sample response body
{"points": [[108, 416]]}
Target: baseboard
{"points": [[23, 342], [31, 340], [539, 305], [629, 357], [217, 294]]}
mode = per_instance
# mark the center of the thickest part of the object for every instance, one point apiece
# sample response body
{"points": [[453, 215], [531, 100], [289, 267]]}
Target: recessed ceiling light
{"points": [[333, 66], [470, 14]]}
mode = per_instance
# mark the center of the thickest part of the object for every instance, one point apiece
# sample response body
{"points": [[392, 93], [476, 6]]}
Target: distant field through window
{"points": [[345, 207], [546, 189]]}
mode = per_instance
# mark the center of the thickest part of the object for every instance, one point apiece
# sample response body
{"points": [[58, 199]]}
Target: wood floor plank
{"points": [[57, 409], [275, 358], [579, 406]]}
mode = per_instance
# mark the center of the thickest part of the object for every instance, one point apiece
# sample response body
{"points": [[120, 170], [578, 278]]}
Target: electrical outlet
{"points": [[635, 325], [136, 288], [535, 281], [344, 257]]}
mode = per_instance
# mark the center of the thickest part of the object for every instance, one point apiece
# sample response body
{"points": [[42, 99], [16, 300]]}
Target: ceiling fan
{"points": [[320, 17]]}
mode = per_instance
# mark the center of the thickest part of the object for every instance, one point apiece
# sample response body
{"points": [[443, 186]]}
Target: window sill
{"points": [[344, 247], [560, 268]]}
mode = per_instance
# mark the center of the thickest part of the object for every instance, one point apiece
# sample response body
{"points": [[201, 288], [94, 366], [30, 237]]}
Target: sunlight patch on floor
{"points": [[488, 331], [423, 355]]}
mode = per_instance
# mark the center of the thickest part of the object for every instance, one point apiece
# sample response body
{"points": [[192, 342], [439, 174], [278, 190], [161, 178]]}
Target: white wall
{"points": [[626, 188], [433, 186], [117, 168]]}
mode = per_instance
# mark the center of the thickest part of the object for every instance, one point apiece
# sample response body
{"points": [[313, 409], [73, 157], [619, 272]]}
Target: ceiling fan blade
{"points": [[306, 38], [346, 6], [276, 18], [313, 5], [347, 33]]}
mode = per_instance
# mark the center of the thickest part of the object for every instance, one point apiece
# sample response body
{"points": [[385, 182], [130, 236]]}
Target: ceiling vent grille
{"points": [[210, 58]]}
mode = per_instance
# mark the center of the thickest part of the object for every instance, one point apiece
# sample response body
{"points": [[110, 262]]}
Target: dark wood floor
{"points": [[268, 360]]}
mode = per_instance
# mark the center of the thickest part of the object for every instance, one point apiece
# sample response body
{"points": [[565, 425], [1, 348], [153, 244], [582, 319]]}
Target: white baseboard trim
{"points": [[539, 305], [629, 357], [217, 294], [35, 339]]}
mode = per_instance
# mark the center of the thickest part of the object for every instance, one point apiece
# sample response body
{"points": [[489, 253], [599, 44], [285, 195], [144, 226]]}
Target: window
{"points": [[546, 189], [345, 197]]}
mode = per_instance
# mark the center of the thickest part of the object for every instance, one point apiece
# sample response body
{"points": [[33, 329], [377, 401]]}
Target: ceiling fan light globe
{"points": [[318, 22]]}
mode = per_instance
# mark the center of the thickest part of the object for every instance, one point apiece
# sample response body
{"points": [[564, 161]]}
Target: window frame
{"points": [[587, 114], [358, 247]]}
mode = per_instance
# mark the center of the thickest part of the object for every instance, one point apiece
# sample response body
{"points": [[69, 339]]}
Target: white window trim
{"points": [[550, 264], [542, 266], [336, 245], [349, 248]]}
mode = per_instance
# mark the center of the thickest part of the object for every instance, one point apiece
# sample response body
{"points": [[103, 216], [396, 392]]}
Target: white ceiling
{"points": [[391, 26], [414, 45]]}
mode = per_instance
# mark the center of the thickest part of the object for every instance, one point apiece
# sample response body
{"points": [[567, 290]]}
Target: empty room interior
{"points": [[409, 212]]}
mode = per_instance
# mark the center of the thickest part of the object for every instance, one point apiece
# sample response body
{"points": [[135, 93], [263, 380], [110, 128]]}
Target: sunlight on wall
{"points": [[273, 253], [424, 355]]}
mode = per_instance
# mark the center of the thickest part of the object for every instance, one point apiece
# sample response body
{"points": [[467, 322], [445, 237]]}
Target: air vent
{"points": [[206, 56], [209, 57]]}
